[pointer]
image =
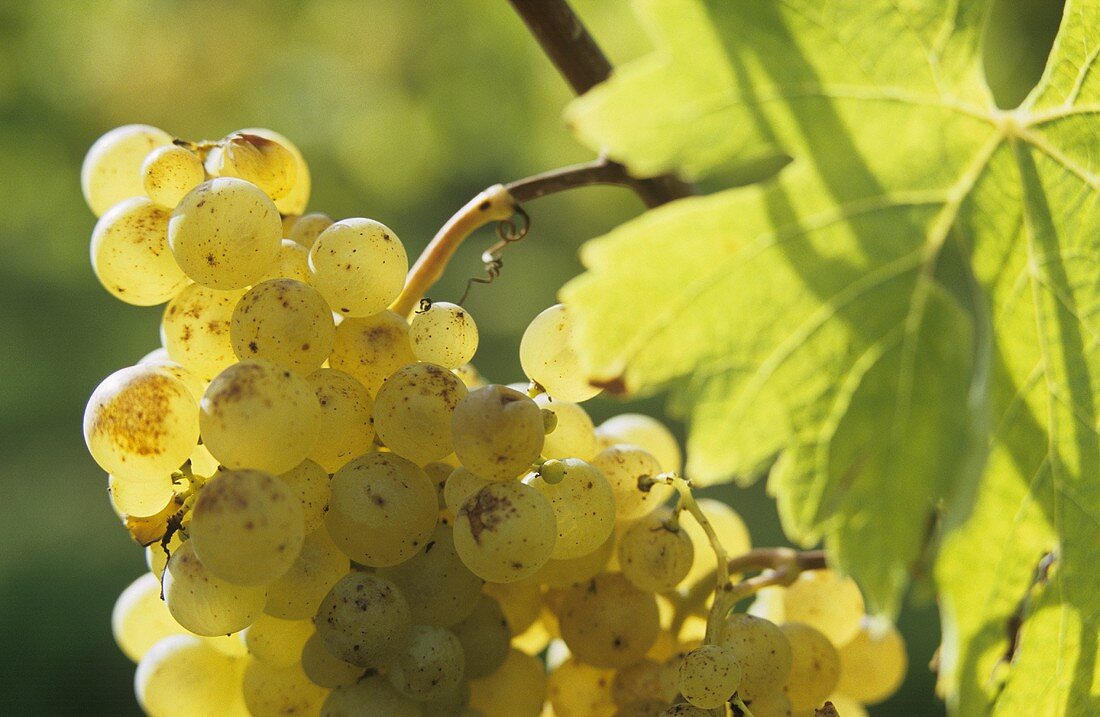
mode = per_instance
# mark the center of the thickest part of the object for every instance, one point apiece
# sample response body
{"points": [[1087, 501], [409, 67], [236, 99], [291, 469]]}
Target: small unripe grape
{"points": [[548, 357], [583, 503], [709, 675], [359, 266], [497, 432], [444, 334], [169, 173]]}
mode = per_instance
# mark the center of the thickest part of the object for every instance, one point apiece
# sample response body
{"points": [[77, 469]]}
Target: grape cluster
{"points": [[341, 517]]}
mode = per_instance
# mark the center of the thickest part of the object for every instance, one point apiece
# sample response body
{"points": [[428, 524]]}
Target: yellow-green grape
{"points": [[182, 675], [364, 620], [727, 525], [516, 689], [346, 426], [505, 532], [256, 159], [383, 509], [225, 234], [573, 436], [359, 266], [275, 641], [439, 588], [485, 637], [256, 414], [231, 645], [638, 682], [130, 254], [372, 695], [323, 668], [205, 604], [538, 636], [444, 334], [112, 168], [298, 593], [709, 675], [141, 421], [460, 485], [576, 689], [655, 554], [570, 571], [645, 432], [826, 601], [498, 432], [275, 691], [169, 173], [608, 622], [295, 201], [521, 602], [624, 465], [686, 709], [470, 376], [140, 618], [310, 483], [195, 384], [156, 555], [308, 227], [283, 321], [451, 703], [762, 650], [292, 262], [438, 473], [413, 409], [642, 708], [140, 497], [583, 503], [873, 663], [429, 665], [195, 329], [548, 358], [372, 348], [815, 667], [775, 704]]}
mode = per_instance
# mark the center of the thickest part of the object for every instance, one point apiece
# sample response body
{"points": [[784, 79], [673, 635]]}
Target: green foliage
{"points": [[899, 327]]}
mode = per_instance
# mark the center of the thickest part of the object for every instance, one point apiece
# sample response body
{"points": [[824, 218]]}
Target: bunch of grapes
{"points": [[341, 517]]}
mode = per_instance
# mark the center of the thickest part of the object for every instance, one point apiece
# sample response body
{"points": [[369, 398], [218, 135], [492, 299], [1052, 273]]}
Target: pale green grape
{"points": [[256, 159], [460, 485], [498, 432], [195, 329], [156, 555], [275, 691], [310, 483], [827, 601], [709, 675], [112, 168], [203, 603], [654, 554], [195, 384], [276, 641], [283, 321], [570, 571], [413, 409], [364, 620], [383, 509], [298, 593], [256, 414], [439, 588], [485, 637], [470, 376], [140, 618], [430, 664], [516, 689], [549, 359], [323, 668], [231, 644], [140, 497], [774, 704], [505, 532], [308, 227], [608, 622], [370, 696], [762, 650], [371, 348], [438, 473], [579, 690], [225, 233], [346, 426], [181, 676], [645, 432], [815, 667], [444, 334], [295, 201], [521, 602], [130, 254], [623, 465], [141, 421], [638, 682], [574, 436], [583, 504], [169, 173], [727, 525], [873, 663], [359, 266], [292, 262]]}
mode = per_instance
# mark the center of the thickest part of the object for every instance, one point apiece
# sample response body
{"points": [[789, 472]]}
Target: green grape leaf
{"points": [[899, 328]]}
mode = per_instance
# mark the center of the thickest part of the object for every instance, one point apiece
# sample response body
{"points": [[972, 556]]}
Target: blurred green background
{"points": [[404, 110]]}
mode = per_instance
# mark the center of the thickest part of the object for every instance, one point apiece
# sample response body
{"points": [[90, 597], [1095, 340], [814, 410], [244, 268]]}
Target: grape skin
{"points": [[111, 170], [709, 675], [653, 555], [815, 668], [372, 348], [727, 525], [574, 435], [283, 321], [549, 359], [195, 329], [623, 465], [645, 432], [307, 228], [497, 432], [256, 159], [363, 620], [576, 689], [484, 635], [169, 173], [310, 484], [372, 695], [346, 428], [295, 201], [873, 663], [140, 497], [140, 619], [130, 254], [323, 668], [275, 641], [516, 689], [430, 664], [608, 622], [359, 266], [460, 485], [584, 508], [826, 601], [205, 604], [182, 675], [298, 593], [505, 532], [413, 409], [273, 691], [292, 262], [763, 652], [444, 334], [571, 571]]}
